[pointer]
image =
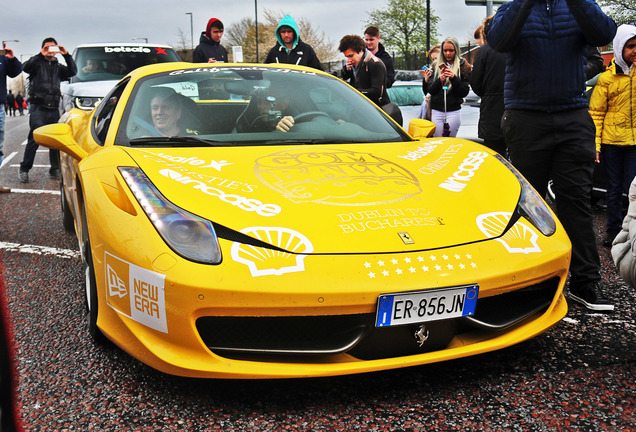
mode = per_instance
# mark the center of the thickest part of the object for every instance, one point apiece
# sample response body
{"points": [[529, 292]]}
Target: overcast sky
{"points": [[73, 22]]}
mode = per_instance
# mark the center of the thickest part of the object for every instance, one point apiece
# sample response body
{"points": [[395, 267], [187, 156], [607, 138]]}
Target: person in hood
{"points": [[210, 49], [613, 109], [290, 49], [546, 124]]}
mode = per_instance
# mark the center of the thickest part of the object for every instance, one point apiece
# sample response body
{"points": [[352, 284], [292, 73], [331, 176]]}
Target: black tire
{"points": [[90, 285], [67, 216]]}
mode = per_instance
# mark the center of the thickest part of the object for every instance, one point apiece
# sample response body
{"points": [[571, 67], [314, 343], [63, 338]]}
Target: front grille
{"points": [[313, 338], [501, 311]]}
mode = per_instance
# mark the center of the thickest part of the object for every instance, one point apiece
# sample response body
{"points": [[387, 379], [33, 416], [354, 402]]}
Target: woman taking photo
{"points": [[448, 86]]}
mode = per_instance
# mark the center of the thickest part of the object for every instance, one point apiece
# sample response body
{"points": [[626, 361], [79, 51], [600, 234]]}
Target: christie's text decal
{"points": [[136, 292], [247, 204]]}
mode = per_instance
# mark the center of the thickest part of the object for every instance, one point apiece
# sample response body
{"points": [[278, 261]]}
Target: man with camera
{"points": [[45, 76]]}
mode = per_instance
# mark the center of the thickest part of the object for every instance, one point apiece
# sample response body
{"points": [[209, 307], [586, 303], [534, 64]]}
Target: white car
{"points": [[100, 66]]}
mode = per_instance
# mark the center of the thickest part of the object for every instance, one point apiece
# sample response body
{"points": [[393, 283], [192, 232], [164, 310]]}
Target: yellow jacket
{"points": [[613, 107]]}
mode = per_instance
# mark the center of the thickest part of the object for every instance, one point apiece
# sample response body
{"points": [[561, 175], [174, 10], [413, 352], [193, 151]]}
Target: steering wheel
{"points": [[309, 115]]}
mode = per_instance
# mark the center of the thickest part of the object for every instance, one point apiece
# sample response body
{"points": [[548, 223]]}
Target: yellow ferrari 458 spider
{"points": [[269, 221]]}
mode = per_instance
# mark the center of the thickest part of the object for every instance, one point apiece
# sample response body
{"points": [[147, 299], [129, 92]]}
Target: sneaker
{"points": [[24, 176], [4, 189], [54, 173], [591, 296]]}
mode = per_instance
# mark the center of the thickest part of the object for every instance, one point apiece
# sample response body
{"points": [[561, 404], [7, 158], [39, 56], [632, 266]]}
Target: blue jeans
{"points": [[1, 133], [620, 169], [39, 117]]}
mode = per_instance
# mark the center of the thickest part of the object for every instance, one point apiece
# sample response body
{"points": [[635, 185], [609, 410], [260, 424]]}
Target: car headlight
{"points": [[87, 103], [188, 235], [531, 205]]}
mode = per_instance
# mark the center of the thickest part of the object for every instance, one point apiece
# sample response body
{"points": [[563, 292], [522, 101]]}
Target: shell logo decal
{"points": [[266, 262], [336, 177], [521, 238]]}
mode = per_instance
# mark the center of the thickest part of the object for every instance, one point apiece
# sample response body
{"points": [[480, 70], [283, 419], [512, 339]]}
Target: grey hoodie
{"points": [[624, 33]]}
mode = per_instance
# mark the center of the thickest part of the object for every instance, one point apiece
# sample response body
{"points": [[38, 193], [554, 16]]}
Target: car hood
{"points": [[362, 198], [89, 88]]}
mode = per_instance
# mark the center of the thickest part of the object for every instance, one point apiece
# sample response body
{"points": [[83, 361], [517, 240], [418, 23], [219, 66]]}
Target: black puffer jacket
{"points": [[45, 78], [487, 80], [208, 49]]}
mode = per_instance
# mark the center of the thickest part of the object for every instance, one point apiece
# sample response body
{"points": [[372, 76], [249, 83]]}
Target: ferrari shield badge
{"points": [[406, 238]]}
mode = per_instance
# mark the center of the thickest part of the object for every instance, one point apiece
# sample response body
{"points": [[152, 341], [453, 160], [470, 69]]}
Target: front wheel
{"points": [[67, 215], [90, 285]]}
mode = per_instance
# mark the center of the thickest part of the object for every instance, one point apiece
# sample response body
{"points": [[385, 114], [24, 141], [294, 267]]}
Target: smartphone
{"points": [[3, 51], [424, 67], [54, 48]]}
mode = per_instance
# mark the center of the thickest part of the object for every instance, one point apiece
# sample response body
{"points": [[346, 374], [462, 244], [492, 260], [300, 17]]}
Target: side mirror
{"points": [[420, 129], [57, 136]]}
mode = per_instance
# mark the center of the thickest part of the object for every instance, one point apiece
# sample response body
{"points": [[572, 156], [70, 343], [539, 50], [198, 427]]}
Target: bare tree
{"points": [[403, 27], [243, 34], [622, 11]]}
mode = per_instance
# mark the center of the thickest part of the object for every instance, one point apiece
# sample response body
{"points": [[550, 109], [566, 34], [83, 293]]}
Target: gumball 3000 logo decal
{"points": [[336, 177]]}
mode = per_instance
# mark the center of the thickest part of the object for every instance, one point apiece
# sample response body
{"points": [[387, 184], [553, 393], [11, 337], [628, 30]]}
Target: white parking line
{"points": [[39, 250], [8, 158], [35, 191]]}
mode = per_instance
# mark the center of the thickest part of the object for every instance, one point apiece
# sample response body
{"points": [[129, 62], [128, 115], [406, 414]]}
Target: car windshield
{"points": [[231, 105], [113, 62]]}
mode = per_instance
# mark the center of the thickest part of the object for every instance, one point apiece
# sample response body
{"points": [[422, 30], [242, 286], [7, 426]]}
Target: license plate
{"points": [[429, 305]]}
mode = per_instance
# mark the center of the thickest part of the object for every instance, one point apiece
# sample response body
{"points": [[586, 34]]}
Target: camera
{"points": [[54, 48], [3, 51]]}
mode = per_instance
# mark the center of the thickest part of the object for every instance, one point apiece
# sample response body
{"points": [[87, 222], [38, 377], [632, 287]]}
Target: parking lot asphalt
{"points": [[580, 375]]}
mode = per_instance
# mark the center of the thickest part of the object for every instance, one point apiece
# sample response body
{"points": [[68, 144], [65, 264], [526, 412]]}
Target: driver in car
{"points": [[166, 110], [265, 114]]}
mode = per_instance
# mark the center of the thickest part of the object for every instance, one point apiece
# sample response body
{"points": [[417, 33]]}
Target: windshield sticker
{"points": [[247, 204], [386, 218], [433, 264], [136, 292], [442, 161], [239, 69], [465, 172], [267, 262], [521, 238], [336, 177]]}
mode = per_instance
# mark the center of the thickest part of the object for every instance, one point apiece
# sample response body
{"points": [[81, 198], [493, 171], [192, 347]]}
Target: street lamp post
{"points": [[256, 26], [191, 31]]}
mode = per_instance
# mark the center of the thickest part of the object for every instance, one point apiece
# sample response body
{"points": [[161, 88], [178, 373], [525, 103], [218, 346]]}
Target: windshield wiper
{"points": [[176, 140], [298, 141]]}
